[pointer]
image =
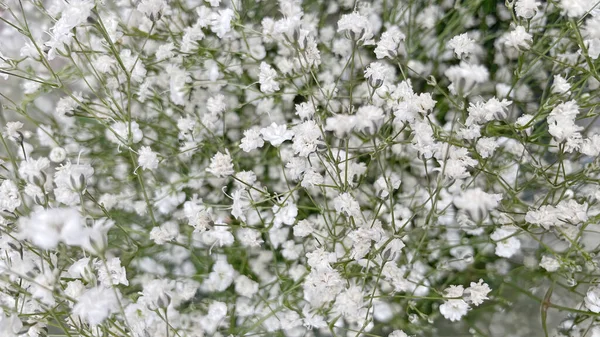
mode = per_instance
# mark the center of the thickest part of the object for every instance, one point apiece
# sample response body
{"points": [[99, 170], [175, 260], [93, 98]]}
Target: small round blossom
{"points": [[376, 74], [576, 8], [276, 134], [592, 299], [13, 130], [465, 76], [119, 133], [147, 159], [221, 276], [462, 45], [486, 146], [527, 8], [153, 9], [476, 293], [9, 196], [252, 140], [104, 63], [398, 333], [560, 85], [391, 44], [221, 22], [164, 233], [519, 38], [10, 325], [356, 27], [549, 263], [221, 165], [57, 155], [245, 286], [266, 78], [112, 273], [345, 203], [46, 228], [507, 244], [305, 110], [454, 308], [96, 305]]}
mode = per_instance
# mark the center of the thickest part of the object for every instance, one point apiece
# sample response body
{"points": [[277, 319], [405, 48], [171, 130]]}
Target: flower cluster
{"points": [[299, 168]]}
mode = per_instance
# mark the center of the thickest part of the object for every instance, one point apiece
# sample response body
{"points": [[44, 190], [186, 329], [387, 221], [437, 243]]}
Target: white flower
{"points": [[221, 165], [276, 134], [507, 244], [266, 78], [74, 290], [252, 140], [111, 272], [566, 212], [104, 63], [9, 196], [561, 122], [71, 180], [465, 76], [527, 8], [165, 51], [46, 228], [321, 286], [591, 146], [305, 110], [311, 178], [157, 294], [356, 27], [549, 263], [307, 137], [221, 277], [381, 185], [593, 47], [245, 286], [376, 74], [220, 23], [519, 39], [486, 146], [119, 133], [483, 112], [216, 104], [398, 333], [10, 326], [560, 85], [341, 125], [462, 45], [369, 118], [576, 8], [96, 305], [147, 159], [57, 154], [164, 233], [477, 202], [249, 237], [477, 292], [345, 203], [218, 236], [592, 299], [391, 44], [12, 129], [286, 214], [153, 9], [312, 320], [454, 310]]}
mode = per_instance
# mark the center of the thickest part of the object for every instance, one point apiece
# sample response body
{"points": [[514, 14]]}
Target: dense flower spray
{"points": [[299, 168]]}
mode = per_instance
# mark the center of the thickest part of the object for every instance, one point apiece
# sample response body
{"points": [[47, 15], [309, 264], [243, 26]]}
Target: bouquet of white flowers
{"points": [[299, 168]]}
